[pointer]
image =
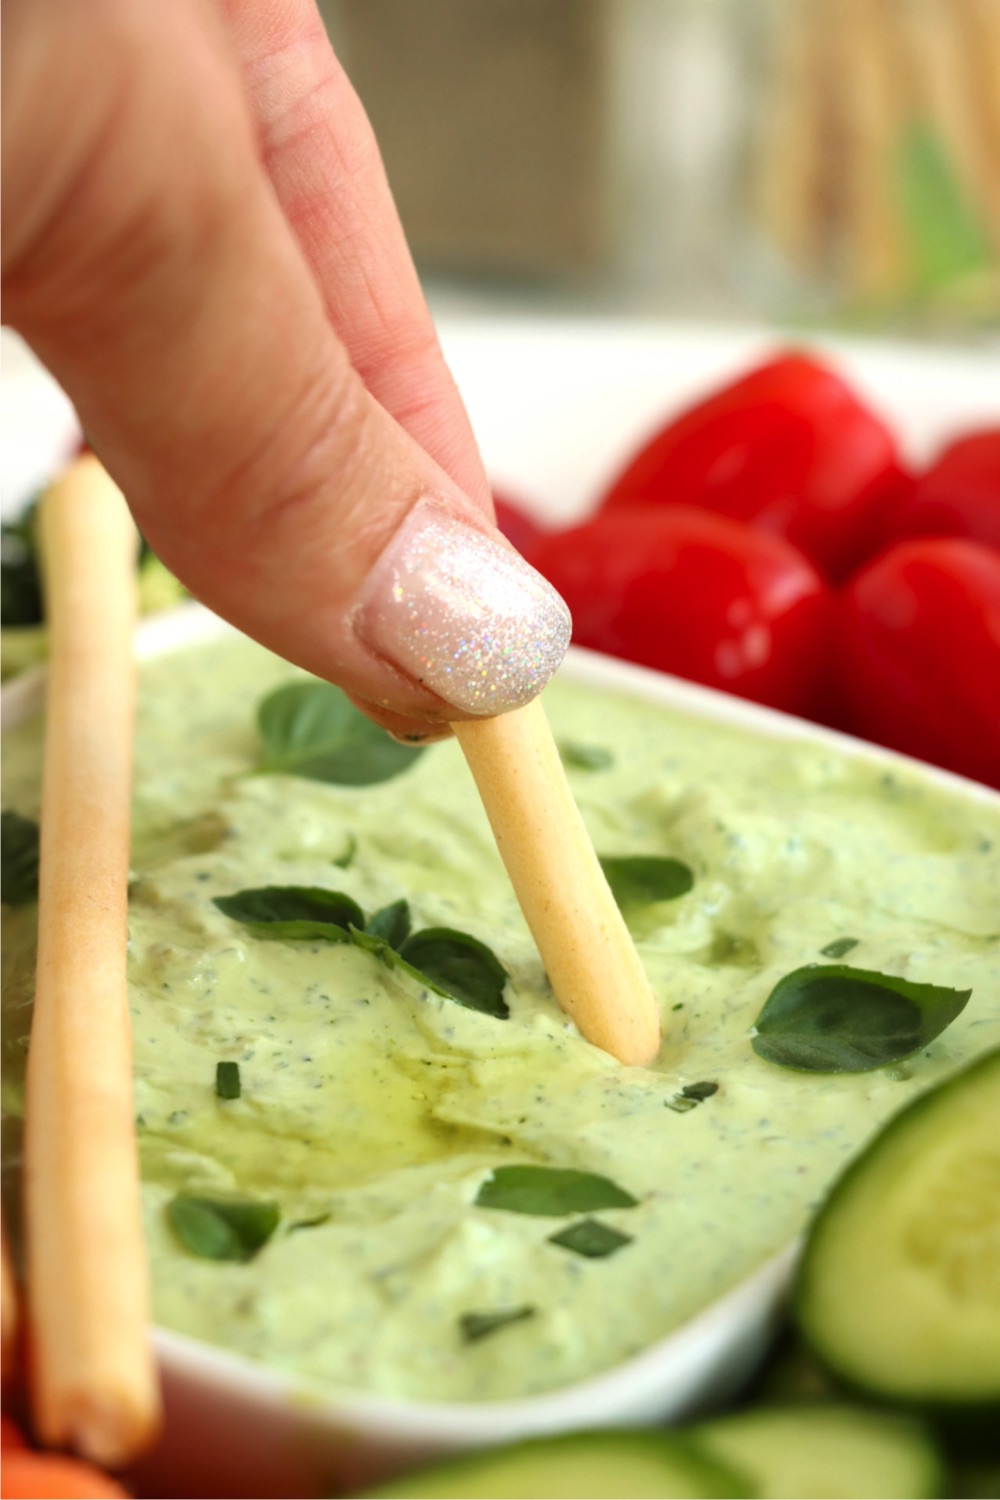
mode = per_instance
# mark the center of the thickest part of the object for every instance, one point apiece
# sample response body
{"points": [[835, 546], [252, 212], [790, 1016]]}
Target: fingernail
{"points": [[463, 614]]}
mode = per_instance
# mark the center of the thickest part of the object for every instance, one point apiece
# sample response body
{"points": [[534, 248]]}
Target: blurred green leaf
{"points": [[943, 231]]}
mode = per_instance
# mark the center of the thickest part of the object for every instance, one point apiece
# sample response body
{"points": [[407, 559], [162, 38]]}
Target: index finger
{"points": [[323, 160]]}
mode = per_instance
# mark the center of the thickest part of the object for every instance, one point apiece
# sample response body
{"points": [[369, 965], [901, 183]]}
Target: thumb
{"points": [[148, 263]]}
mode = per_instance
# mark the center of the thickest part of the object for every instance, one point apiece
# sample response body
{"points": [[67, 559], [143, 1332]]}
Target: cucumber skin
{"points": [[969, 1427], [720, 1478]]}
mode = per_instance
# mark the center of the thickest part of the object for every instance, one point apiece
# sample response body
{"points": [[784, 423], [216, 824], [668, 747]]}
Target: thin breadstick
{"points": [[585, 946], [790, 177], [949, 59], [878, 98], [93, 1380]]}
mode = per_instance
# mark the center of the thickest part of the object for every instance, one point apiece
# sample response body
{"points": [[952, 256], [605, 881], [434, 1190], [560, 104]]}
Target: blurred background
{"points": [[830, 163]]}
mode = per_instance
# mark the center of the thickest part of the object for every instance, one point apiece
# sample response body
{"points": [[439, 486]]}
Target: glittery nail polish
{"points": [[463, 614]]}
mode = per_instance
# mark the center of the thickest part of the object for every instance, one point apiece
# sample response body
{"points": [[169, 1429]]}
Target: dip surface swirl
{"points": [[372, 1111]]}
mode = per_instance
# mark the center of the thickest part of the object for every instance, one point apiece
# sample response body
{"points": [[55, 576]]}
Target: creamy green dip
{"points": [[379, 1109]]}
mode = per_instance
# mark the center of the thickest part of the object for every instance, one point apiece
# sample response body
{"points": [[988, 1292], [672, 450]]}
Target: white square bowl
{"points": [[237, 1428], [557, 407]]}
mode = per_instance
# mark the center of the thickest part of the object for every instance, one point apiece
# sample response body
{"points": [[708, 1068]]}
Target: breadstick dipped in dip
{"points": [[589, 956]]}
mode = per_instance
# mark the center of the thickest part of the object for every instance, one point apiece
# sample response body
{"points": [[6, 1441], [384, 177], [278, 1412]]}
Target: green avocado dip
{"points": [[360, 1113]]}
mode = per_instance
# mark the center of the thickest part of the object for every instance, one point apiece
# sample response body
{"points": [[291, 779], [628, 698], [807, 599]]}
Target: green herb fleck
{"points": [[476, 1326], [839, 947], [345, 860], [18, 859], [227, 1080], [294, 912], [310, 1223], [550, 1191], [830, 1018], [640, 879], [585, 757], [222, 1228], [312, 729], [591, 1238]]}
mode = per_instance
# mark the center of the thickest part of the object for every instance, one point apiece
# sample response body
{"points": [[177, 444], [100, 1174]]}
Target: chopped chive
{"points": [[310, 1223], [839, 947], [591, 1238], [227, 1080], [583, 757], [476, 1326], [699, 1091], [690, 1096], [680, 1104]]}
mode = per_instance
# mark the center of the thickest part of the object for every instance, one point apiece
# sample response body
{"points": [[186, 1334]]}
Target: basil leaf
{"points": [[392, 923], [830, 1018], [591, 1238], [944, 233], [585, 757], [293, 911], [475, 1326], [227, 1080], [460, 966], [640, 879], [839, 947], [312, 729], [18, 859], [550, 1191], [370, 942], [222, 1228]]}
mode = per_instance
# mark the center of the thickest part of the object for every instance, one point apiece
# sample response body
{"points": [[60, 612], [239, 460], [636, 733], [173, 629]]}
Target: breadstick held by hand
{"points": [[581, 935], [93, 1378]]}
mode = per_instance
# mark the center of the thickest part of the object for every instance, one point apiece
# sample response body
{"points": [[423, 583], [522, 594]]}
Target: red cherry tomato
{"points": [[959, 495], [696, 594], [520, 529], [788, 448], [918, 652]]}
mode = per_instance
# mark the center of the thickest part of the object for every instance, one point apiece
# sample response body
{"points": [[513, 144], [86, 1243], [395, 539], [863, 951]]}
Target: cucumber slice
{"points": [[576, 1466], [813, 1451], [898, 1291]]}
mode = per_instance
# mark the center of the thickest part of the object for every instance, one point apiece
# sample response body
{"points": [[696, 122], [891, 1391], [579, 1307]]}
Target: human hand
{"points": [[201, 246]]}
